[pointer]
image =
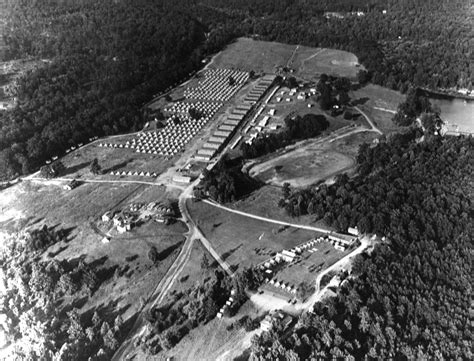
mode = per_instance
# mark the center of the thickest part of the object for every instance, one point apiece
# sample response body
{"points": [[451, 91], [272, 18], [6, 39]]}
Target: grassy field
{"points": [[379, 104], [308, 63], [304, 169], [259, 56], [243, 241], [31, 204], [113, 159]]}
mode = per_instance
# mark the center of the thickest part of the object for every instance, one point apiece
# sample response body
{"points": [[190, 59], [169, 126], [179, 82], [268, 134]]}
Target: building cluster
{"points": [[127, 218], [227, 129], [259, 89], [223, 133], [269, 321], [218, 85]]}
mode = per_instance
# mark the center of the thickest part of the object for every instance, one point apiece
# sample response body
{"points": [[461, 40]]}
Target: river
{"points": [[456, 112]]}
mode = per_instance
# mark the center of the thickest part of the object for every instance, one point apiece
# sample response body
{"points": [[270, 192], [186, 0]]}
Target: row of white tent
{"points": [[216, 85], [205, 107], [285, 286], [169, 140], [136, 173]]}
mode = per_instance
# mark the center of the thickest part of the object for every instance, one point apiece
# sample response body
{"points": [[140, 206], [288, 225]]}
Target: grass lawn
{"points": [[243, 241]]}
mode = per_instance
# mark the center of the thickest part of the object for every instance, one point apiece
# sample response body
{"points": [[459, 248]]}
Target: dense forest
{"points": [[37, 302], [410, 298], [106, 59]]}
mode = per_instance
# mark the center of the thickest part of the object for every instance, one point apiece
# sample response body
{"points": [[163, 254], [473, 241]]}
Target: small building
{"points": [[182, 179], [266, 324], [124, 227], [344, 239], [271, 112], [105, 240], [353, 230], [71, 185], [288, 256], [107, 216], [118, 220]]}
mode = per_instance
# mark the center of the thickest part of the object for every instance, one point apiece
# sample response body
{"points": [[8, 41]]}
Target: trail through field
{"points": [[372, 125], [292, 57], [303, 63], [163, 287], [265, 219], [386, 110]]}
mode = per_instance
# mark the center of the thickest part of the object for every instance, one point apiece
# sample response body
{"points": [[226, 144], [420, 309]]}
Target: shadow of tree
{"points": [[165, 253], [55, 253], [230, 252], [75, 168], [117, 166]]}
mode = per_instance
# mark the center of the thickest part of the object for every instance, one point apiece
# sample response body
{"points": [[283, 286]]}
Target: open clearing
{"points": [[379, 104], [308, 63], [113, 159], [310, 161], [301, 167]]}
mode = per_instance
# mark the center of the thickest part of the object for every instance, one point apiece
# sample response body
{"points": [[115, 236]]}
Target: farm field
{"points": [[308, 63], [243, 241]]}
